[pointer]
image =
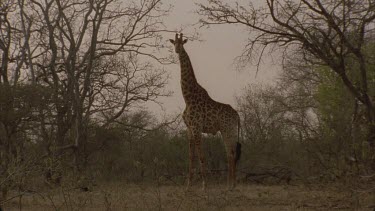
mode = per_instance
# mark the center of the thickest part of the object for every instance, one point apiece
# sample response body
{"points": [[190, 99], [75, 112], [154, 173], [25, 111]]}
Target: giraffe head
{"points": [[178, 43]]}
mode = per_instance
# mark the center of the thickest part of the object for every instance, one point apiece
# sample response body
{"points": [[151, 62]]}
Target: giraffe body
{"points": [[205, 115]]}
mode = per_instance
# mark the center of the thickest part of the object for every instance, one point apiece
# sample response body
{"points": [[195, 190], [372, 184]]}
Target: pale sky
{"points": [[212, 59]]}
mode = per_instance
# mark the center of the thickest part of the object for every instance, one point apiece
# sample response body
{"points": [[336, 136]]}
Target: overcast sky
{"points": [[212, 59]]}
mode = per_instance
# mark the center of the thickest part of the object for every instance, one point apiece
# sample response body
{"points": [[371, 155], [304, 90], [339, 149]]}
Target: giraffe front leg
{"points": [[191, 163], [198, 144]]}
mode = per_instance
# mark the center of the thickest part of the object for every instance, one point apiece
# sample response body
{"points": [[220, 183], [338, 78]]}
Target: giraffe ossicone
{"points": [[205, 115]]}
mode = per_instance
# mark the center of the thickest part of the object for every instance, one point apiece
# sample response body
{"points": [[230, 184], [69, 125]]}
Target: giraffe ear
{"points": [[185, 41], [172, 41]]}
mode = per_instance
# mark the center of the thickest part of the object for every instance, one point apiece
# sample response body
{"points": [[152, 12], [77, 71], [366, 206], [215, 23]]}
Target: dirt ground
{"points": [[216, 197]]}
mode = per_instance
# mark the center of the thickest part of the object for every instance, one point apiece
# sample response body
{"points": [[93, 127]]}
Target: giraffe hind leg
{"points": [[231, 171], [230, 150]]}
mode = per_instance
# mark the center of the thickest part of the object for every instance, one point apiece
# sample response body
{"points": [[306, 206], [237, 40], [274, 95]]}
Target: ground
{"points": [[120, 196]]}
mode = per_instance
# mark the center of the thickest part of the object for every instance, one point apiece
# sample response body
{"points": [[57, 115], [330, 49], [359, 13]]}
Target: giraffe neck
{"points": [[189, 84]]}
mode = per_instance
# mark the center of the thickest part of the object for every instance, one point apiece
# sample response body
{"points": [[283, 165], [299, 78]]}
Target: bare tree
{"points": [[16, 102], [73, 35], [77, 62], [123, 82], [328, 33]]}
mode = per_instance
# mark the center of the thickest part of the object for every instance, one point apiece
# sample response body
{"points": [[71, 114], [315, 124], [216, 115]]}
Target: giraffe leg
{"points": [[191, 159], [230, 150], [198, 145], [230, 158], [233, 184], [234, 166]]}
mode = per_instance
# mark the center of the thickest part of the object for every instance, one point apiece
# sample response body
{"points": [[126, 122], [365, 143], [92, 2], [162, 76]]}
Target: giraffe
{"points": [[205, 115]]}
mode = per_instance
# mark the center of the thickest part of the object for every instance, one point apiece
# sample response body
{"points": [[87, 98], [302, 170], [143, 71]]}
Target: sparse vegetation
{"points": [[124, 196]]}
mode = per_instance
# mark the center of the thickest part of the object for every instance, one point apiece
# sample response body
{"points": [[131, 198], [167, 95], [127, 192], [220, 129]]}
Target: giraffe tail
{"points": [[238, 144], [238, 152]]}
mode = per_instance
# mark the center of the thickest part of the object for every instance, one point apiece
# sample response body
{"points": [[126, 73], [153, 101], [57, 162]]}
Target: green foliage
{"points": [[341, 146], [335, 104], [308, 129]]}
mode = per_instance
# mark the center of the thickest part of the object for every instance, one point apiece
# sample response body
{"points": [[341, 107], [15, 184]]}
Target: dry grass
{"points": [[153, 197]]}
